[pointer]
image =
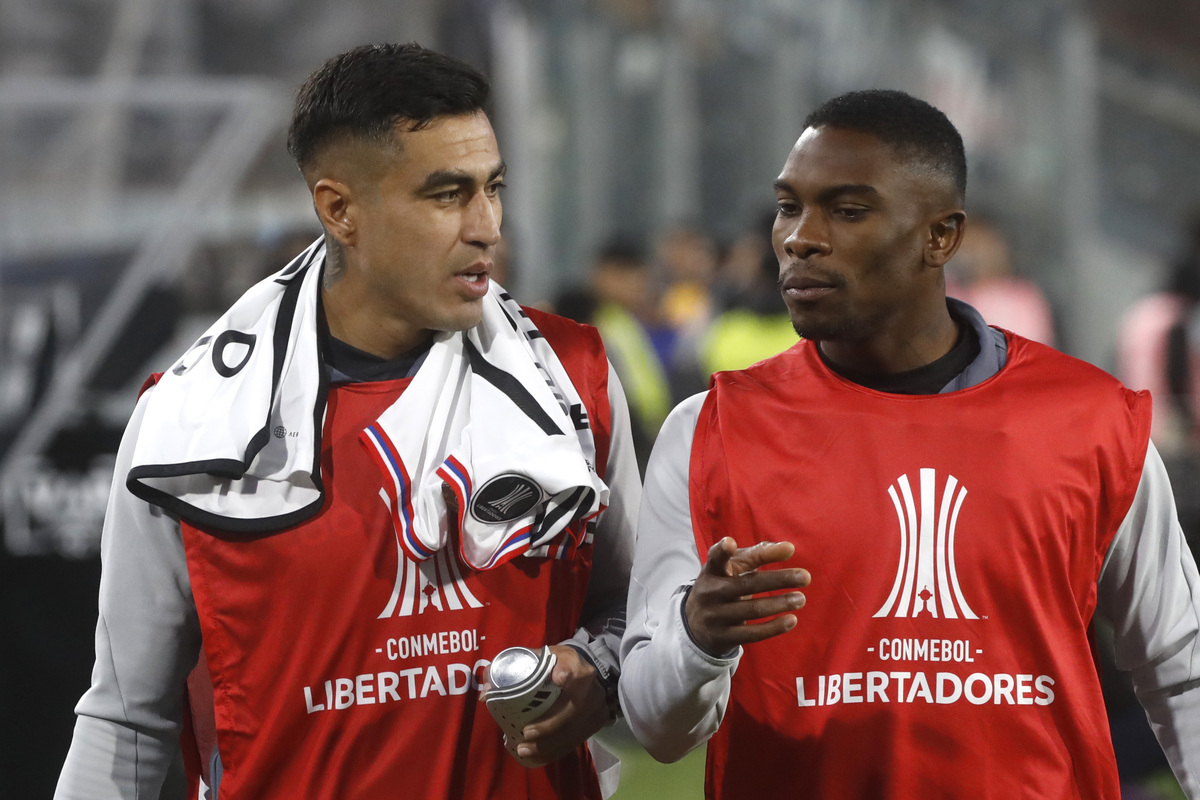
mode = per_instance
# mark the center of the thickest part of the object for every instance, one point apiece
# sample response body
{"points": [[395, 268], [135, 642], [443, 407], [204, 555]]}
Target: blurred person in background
{"points": [[1158, 348], [981, 275], [752, 322], [686, 261], [618, 301], [958, 504], [739, 273], [322, 527]]}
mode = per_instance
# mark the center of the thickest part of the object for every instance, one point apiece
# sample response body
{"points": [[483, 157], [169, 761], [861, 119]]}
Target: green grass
{"points": [[643, 778]]}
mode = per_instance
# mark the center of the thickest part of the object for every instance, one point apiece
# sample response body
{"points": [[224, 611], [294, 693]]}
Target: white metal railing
{"points": [[251, 111]]}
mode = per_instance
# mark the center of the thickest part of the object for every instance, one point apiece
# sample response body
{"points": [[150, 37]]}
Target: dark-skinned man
{"points": [[869, 567]]}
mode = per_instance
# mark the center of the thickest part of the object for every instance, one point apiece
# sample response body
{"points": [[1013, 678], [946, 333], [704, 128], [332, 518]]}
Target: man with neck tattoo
{"points": [[870, 567], [371, 475]]}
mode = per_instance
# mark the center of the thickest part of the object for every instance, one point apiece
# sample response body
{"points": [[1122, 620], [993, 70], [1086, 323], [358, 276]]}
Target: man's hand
{"points": [[579, 712], [722, 604]]}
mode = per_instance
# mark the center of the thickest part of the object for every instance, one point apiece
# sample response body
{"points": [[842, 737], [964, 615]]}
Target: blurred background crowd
{"points": [[146, 185]]}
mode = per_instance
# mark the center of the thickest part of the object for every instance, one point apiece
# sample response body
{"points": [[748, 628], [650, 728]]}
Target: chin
{"points": [[812, 330], [822, 330], [463, 321]]}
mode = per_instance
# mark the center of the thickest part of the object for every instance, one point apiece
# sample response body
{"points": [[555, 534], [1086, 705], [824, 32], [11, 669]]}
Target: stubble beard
{"points": [[828, 331]]}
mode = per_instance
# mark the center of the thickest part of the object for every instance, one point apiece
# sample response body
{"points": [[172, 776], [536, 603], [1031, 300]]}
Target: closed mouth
{"points": [[792, 282]]}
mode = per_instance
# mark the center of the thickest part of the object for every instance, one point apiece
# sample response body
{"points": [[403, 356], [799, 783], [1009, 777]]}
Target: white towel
{"points": [[231, 437], [490, 414]]}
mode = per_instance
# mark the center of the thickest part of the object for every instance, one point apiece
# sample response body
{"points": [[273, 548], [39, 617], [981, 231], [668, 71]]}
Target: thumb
{"points": [[719, 555]]}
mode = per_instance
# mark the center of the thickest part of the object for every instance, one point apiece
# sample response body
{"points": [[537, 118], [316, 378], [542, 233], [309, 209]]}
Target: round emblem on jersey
{"points": [[505, 498]]}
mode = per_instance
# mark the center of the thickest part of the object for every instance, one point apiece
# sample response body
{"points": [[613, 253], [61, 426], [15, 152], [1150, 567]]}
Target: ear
{"points": [[337, 209], [945, 234]]}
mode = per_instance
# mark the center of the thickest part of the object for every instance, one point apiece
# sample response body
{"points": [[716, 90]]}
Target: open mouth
{"points": [[475, 279]]}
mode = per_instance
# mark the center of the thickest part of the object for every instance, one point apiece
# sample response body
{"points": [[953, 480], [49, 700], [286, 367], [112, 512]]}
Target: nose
{"points": [[807, 235], [481, 227]]}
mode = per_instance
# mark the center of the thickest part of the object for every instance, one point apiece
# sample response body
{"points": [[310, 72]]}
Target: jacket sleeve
{"points": [[672, 692], [147, 640], [1149, 591], [603, 618]]}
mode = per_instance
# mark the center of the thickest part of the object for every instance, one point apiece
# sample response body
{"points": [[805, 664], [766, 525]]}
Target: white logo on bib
{"points": [[436, 583], [926, 579]]}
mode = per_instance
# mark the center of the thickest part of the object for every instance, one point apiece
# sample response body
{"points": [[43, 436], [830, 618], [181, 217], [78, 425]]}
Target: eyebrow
{"points": [[831, 192], [457, 177]]}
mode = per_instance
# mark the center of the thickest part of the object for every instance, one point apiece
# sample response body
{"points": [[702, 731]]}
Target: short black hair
{"points": [[914, 128], [365, 92]]}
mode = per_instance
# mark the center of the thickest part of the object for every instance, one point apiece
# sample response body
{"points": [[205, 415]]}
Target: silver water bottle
{"points": [[520, 689]]}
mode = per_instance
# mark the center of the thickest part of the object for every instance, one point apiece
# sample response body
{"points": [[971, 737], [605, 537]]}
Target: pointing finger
{"points": [[748, 559]]}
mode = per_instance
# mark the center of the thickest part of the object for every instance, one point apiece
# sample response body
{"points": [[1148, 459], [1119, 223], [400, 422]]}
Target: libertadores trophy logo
{"points": [[926, 578], [435, 584], [505, 498]]}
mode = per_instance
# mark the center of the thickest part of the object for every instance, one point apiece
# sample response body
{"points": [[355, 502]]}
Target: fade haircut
{"points": [[363, 93], [913, 128]]}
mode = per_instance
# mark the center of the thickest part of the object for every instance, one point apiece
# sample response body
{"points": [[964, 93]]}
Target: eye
{"points": [[850, 213], [447, 195], [494, 188], [787, 207]]}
